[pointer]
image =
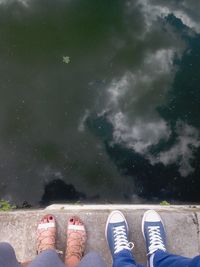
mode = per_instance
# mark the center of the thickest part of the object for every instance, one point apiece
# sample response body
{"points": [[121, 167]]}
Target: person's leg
{"points": [[165, 259], [45, 244], [92, 259], [47, 258], [155, 237], [117, 238], [125, 259], [7, 256]]}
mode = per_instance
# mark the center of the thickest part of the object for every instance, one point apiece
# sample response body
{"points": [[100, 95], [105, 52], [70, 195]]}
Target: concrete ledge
{"points": [[181, 223]]}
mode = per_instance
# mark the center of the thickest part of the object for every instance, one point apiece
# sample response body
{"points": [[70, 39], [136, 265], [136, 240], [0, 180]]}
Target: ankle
{"points": [[72, 261]]}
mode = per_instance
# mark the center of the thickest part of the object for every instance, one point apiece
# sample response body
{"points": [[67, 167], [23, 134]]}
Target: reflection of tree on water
{"points": [[58, 191]]}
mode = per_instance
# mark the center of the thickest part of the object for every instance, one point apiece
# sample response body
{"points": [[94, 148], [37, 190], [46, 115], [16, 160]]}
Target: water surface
{"points": [[118, 121]]}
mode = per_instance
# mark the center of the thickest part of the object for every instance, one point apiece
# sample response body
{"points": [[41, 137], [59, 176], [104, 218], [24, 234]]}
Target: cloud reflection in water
{"points": [[133, 83]]}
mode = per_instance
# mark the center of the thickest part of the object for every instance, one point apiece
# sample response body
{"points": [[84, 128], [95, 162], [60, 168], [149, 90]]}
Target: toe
{"points": [[80, 222], [75, 221], [51, 218], [71, 221], [44, 219]]}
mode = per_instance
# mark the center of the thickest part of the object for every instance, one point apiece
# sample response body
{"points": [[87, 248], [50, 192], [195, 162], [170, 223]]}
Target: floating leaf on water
{"points": [[66, 59]]}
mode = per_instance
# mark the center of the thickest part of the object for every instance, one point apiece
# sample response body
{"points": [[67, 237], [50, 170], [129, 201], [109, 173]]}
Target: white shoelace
{"points": [[156, 241], [120, 239]]}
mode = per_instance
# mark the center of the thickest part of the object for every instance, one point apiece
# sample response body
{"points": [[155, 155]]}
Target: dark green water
{"points": [[120, 122]]}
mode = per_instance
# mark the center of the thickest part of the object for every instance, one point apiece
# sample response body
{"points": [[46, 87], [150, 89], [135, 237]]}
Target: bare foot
{"points": [[76, 239], [46, 233]]}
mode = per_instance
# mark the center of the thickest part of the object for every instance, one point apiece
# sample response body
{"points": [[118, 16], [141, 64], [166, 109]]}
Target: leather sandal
{"points": [[46, 233], [76, 238]]}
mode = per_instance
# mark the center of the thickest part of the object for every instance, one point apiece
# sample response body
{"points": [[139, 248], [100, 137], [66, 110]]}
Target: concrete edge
{"points": [[121, 207]]}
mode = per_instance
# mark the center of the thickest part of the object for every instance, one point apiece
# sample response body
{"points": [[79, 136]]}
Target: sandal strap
{"points": [[76, 227], [45, 239], [76, 249], [46, 225]]}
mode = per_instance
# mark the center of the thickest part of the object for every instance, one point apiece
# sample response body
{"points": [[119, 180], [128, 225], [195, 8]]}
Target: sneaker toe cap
{"points": [[116, 217], [152, 216]]}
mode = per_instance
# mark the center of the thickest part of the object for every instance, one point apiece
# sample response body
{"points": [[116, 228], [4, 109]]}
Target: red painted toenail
{"points": [[71, 220], [50, 218]]}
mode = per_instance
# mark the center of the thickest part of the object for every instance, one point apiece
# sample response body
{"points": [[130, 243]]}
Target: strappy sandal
{"points": [[76, 239], [46, 233]]}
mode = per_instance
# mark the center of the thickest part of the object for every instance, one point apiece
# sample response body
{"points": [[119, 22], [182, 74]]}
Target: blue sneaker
{"points": [[116, 233], [153, 232]]}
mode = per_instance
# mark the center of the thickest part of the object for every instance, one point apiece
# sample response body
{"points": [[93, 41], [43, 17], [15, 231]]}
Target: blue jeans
{"points": [[48, 258], [159, 259]]}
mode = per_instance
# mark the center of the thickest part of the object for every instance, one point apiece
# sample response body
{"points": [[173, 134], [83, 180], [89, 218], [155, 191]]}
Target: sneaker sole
{"points": [[108, 221]]}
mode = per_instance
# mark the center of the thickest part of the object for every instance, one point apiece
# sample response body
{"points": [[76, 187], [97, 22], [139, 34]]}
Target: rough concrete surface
{"points": [[181, 224]]}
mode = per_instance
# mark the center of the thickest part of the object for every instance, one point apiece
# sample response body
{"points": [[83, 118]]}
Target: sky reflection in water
{"points": [[119, 122]]}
